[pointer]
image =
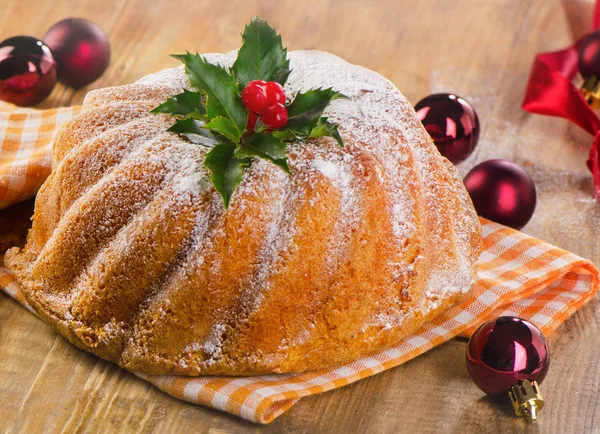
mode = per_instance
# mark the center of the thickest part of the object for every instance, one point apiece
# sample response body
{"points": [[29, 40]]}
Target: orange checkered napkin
{"points": [[518, 275], [25, 137]]}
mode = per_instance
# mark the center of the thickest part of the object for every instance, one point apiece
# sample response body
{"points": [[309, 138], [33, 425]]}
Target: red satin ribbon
{"points": [[550, 91]]}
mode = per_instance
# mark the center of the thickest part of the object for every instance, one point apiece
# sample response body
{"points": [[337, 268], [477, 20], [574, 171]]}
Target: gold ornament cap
{"points": [[526, 399], [591, 91]]}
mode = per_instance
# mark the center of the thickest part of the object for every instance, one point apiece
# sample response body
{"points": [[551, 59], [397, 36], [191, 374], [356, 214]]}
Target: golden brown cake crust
{"points": [[133, 257]]}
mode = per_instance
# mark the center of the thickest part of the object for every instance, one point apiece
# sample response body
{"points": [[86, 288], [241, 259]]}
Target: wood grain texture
{"points": [[480, 49]]}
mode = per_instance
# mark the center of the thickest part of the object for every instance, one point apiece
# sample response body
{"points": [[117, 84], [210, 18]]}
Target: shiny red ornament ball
{"points": [[27, 71], [504, 351], [452, 123], [589, 55], [275, 116], [81, 49], [503, 192], [254, 96]]}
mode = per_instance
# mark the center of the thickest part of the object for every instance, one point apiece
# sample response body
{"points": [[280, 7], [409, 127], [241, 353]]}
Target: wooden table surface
{"points": [[480, 49]]}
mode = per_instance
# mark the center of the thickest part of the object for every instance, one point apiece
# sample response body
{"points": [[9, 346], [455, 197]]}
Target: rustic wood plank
{"points": [[480, 49]]}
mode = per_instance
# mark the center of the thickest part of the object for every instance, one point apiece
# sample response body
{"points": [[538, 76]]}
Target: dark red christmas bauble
{"points": [[452, 123], [504, 351], [503, 192], [589, 55], [81, 49], [27, 70]]}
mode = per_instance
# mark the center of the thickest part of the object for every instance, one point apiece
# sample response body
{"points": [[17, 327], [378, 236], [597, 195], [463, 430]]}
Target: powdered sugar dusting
{"points": [[161, 177], [338, 169], [374, 108], [279, 231], [328, 169]]}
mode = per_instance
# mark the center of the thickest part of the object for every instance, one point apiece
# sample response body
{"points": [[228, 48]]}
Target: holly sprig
{"points": [[213, 114]]}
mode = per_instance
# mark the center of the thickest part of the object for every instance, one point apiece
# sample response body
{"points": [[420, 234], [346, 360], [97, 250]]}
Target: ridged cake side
{"points": [[133, 257]]}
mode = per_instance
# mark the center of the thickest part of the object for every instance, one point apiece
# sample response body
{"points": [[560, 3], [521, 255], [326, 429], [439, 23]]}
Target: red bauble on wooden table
{"points": [[504, 351], [27, 71], [503, 192], [510, 355], [452, 123], [81, 49]]}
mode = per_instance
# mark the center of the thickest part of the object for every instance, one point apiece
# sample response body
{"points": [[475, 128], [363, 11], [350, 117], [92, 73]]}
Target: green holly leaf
{"points": [[288, 135], [226, 169], [327, 129], [193, 130], [262, 55], [282, 76], [215, 116], [306, 110], [187, 126], [220, 88], [265, 146], [223, 127], [187, 103]]}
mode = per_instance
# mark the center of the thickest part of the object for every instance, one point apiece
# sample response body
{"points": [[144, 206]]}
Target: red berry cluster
{"points": [[267, 101]]}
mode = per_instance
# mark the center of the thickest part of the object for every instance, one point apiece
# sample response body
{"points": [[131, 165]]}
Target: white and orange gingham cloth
{"points": [[25, 140], [518, 275]]}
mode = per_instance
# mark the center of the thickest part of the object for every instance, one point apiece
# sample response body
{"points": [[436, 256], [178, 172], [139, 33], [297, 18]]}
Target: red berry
{"points": [[252, 118], [275, 116], [254, 96], [275, 93]]}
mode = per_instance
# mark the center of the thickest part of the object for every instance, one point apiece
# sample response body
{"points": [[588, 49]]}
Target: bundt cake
{"points": [[133, 257]]}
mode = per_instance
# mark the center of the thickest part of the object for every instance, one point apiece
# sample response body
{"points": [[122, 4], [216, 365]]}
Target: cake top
{"points": [[377, 121], [372, 105], [240, 111]]}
